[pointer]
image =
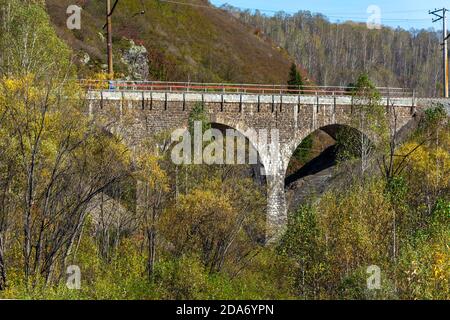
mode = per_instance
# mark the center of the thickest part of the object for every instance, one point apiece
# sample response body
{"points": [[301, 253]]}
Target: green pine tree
{"points": [[295, 82]]}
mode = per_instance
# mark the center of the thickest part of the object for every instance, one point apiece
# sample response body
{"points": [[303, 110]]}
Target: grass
{"points": [[185, 42]]}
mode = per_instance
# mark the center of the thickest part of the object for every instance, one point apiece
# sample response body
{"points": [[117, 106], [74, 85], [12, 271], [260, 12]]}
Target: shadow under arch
{"points": [[322, 154]]}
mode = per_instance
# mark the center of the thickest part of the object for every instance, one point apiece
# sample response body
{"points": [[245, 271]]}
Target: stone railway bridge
{"points": [[136, 113]]}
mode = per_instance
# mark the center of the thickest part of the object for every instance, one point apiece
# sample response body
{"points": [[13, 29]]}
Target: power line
{"points": [[357, 16], [113, 8]]}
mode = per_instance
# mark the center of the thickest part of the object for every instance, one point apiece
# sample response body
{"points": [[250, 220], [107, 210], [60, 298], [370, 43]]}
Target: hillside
{"points": [[180, 42], [337, 53]]}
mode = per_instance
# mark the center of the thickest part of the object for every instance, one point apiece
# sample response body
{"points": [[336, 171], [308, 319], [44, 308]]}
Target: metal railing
{"points": [[160, 86]]}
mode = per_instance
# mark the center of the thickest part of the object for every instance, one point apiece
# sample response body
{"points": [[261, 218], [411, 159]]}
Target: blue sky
{"points": [[404, 13]]}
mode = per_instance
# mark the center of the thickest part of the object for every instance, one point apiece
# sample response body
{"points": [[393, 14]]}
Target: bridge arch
{"points": [[252, 156], [320, 154], [269, 175], [332, 130]]}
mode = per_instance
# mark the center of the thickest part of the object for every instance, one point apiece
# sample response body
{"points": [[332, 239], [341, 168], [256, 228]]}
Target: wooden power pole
{"points": [[441, 15], [108, 25], [109, 38]]}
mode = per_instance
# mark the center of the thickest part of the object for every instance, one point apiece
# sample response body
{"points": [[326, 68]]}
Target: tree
{"points": [[218, 221], [152, 195], [335, 53], [63, 160], [368, 120], [295, 82]]}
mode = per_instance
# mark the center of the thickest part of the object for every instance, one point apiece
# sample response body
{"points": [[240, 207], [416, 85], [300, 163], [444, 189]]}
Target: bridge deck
{"points": [[241, 98]]}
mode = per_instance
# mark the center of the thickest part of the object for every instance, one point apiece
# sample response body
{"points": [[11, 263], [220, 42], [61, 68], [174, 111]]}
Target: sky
{"points": [[403, 13]]}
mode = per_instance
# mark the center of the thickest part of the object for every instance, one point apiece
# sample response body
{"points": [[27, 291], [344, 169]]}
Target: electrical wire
{"points": [[337, 17], [113, 8]]}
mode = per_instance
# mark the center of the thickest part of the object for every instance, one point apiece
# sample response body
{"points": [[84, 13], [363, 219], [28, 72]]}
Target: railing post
{"points": [[151, 100], [121, 104], [317, 101], [388, 99], [334, 103], [165, 102], [281, 103], [273, 103], [240, 103], [352, 103], [413, 108]]}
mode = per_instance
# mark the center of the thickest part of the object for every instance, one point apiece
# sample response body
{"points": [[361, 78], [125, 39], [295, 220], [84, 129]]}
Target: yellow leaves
{"points": [[428, 164], [441, 266], [16, 84], [356, 225], [24, 86], [21, 92], [425, 265], [200, 215], [102, 151], [150, 171]]}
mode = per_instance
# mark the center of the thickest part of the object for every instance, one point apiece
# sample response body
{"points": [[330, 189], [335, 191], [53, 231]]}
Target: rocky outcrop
{"points": [[135, 58]]}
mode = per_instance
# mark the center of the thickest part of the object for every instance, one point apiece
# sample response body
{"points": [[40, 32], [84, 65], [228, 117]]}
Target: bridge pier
{"points": [[276, 208], [275, 164]]}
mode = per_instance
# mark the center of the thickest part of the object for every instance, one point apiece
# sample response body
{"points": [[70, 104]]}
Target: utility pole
{"points": [[109, 38], [108, 26], [441, 15]]}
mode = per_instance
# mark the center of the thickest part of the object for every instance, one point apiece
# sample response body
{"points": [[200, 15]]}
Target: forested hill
{"points": [[193, 41], [335, 54]]}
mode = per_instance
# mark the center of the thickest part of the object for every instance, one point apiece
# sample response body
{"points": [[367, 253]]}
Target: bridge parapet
{"points": [[428, 102], [241, 98]]}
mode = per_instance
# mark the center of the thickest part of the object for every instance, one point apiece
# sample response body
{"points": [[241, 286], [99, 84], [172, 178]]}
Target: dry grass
{"points": [[186, 43]]}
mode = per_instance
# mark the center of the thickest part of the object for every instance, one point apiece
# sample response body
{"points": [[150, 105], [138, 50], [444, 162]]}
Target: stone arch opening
{"points": [[312, 164], [251, 158]]}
